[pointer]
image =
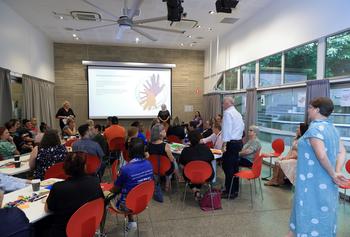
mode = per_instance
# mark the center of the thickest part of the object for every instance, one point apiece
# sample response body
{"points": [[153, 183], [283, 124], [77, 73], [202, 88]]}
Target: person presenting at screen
{"points": [[64, 113], [164, 116]]}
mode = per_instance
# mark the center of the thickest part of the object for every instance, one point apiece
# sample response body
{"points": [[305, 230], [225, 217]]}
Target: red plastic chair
{"points": [[165, 164], [116, 144], [347, 168], [174, 139], [198, 172], [56, 171], [93, 163], [278, 149], [126, 155], [251, 174], [85, 221], [70, 142], [136, 201], [148, 135]]}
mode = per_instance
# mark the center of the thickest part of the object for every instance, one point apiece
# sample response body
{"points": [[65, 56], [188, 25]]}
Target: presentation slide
{"points": [[128, 92]]}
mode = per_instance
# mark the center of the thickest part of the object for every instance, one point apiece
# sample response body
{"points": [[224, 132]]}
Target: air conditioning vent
{"points": [[86, 16], [229, 20]]}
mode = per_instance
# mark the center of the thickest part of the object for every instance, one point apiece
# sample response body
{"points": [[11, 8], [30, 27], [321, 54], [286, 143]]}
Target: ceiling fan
{"points": [[126, 22]]}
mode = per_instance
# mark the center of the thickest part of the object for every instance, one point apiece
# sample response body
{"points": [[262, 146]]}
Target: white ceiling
{"points": [[40, 14]]}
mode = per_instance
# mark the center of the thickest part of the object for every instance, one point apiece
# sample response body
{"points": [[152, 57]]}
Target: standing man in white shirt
{"points": [[232, 132]]}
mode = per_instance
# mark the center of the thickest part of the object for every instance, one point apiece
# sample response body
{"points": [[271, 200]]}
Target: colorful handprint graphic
{"points": [[150, 91]]}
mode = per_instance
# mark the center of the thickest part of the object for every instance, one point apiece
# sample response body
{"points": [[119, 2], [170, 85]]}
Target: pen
{"points": [[37, 199]]}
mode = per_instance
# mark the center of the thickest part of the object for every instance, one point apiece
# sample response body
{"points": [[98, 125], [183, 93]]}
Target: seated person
{"points": [[70, 128], [191, 126], [68, 196], [87, 145], [207, 129], [287, 161], [14, 222], [176, 129], [215, 137], [99, 138], [158, 147], [39, 136], [139, 126], [9, 183], [49, 152], [114, 130], [22, 139], [27, 125], [250, 148], [196, 151], [132, 133], [218, 119], [7, 146], [34, 123], [138, 170]]}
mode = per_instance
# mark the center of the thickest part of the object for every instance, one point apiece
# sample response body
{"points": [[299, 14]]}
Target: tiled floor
{"points": [[267, 218]]}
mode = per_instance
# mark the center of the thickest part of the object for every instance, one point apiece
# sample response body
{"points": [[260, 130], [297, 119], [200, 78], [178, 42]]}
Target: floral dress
{"points": [[48, 157], [316, 195]]}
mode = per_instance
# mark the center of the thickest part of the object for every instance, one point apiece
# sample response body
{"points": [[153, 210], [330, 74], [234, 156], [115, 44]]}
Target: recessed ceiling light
{"points": [[189, 36], [198, 26], [74, 35], [211, 12], [77, 38], [182, 44], [137, 40], [210, 29], [61, 17]]}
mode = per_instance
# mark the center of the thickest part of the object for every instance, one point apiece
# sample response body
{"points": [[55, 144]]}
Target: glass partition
{"points": [[248, 75], [231, 79], [270, 70]]}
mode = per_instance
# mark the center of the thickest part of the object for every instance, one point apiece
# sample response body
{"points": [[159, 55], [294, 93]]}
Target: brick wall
{"points": [[71, 82]]}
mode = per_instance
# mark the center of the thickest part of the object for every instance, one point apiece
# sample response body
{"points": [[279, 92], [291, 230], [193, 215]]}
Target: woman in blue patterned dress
{"points": [[321, 156], [49, 152]]}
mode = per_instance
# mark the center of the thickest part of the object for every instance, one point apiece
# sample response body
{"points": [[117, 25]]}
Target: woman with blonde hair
{"points": [[64, 113]]}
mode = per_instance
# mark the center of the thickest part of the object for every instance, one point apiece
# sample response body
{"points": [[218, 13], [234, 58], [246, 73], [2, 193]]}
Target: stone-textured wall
{"points": [[71, 79]]}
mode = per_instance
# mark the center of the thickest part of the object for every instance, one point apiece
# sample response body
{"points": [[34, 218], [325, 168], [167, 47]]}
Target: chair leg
{"points": [[103, 221], [183, 200], [138, 227], [256, 192], [251, 192], [261, 192], [125, 226], [229, 193]]}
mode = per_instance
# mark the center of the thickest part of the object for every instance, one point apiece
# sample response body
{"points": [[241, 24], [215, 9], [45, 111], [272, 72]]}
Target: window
{"points": [[270, 70], [240, 103], [300, 63], [340, 95], [220, 84], [338, 55], [279, 113], [17, 97], [231, 77], [248, 75]]}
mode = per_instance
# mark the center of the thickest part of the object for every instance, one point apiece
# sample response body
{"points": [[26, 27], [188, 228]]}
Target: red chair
{"points": [[126, 155], [278, 149], [93, 163], [56, 171], [165, 164], [198, 172], [148, 135], [70, 142], [347, 168], [251, 174], [85, 221], [174, 139], [136, 201], [116, 144]]}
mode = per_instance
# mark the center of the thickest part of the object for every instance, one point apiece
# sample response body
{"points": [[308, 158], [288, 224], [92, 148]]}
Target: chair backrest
{"points": [[70, 142], [114, 170], [165, 164], [173, 138], [198, 172], [126, 155], [278, 146], [93, 163], [148, 135], [85, 221], [56, 171], [139, 197], [117, 144], [347, 166], [257, 164]]}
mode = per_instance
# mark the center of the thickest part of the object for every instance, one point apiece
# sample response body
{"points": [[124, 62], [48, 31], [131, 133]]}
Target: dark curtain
{"points": [[5, 96], [39, 100], [250, 116], [212, 106], [316, 88]]}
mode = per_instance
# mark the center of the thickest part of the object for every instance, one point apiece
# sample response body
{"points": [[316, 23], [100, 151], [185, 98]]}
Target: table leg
{"points": [[267, 177], [213, 164]]}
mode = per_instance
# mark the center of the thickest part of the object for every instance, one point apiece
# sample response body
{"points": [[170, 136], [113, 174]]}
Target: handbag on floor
{"points": [[206, 202]]}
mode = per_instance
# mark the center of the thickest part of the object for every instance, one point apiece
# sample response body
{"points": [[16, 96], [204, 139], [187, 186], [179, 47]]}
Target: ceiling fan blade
{"points": [[94, 27], [99, 8], [161, 18], [134, 8], [161, 29], [148, 36], [120, 31]]}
